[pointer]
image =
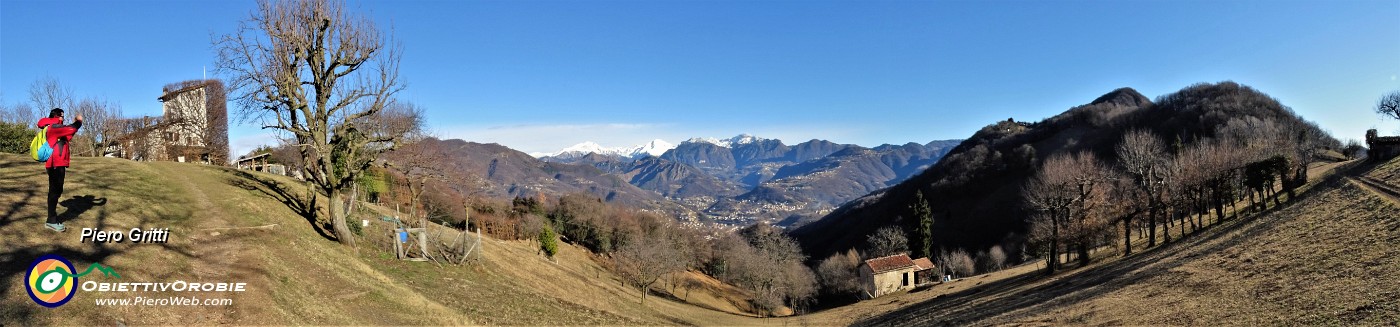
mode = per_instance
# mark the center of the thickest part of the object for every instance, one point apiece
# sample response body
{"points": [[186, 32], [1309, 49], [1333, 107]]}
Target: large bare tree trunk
{"points": [[1151, 225], [1054, 261], [1083, 249], [295, 66], [1128, 235], [342, 231]]}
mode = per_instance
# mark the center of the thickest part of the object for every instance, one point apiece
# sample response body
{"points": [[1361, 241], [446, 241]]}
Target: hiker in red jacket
{"points": [[59, 135]]}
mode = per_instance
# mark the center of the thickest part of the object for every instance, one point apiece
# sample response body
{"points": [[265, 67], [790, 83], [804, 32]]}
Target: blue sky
{"points": [[542, 75]]}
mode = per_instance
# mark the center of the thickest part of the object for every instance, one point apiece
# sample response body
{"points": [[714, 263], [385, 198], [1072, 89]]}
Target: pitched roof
{"points": [[888, 263], [923, 263], [194, 86]]}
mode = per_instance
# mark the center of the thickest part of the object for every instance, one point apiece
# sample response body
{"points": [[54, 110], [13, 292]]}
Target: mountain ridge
{"points": [[701, 180], [975, 190], [653, 148]]}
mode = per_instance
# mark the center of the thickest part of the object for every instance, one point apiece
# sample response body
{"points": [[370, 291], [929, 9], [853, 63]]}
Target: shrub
{"points": [[548, 242], [837, 273], [958, 262], [14, 138]]}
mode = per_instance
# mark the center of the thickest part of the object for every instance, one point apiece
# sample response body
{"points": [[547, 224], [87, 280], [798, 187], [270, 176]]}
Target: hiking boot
{"points": [[56, 227]]}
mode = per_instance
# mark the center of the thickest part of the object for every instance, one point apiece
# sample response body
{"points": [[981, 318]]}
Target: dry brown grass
{"points": [[1327, 259], [292, 273], [295, 275], [1320, 253]]}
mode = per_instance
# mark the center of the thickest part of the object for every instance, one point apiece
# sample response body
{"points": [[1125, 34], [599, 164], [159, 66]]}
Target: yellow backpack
{"points": [[39, 148]]}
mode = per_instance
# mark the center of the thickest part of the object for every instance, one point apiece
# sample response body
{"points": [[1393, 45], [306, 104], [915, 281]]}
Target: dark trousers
{"points": [[55, 191]]}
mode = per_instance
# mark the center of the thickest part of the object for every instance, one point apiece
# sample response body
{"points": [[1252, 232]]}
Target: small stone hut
{"points": [[1381, 148], [889, 274]]}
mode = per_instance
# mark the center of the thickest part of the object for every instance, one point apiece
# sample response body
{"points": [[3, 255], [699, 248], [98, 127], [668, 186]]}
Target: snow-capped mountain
{"points": [[654, 148], [728, 143]]}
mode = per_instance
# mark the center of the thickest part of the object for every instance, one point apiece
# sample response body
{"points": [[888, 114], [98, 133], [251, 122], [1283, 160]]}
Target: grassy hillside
{"points": [[1327, 259], [976, 192], [229, 225], [294, 275]]}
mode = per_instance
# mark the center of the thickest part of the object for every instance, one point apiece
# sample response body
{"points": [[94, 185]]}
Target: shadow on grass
{"points": [[15, 176], [282, 193], [738, 304], [16, 261], [78, 205], [19, 253], [1075, 286]]}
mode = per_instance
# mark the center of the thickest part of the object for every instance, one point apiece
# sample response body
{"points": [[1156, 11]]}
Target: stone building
{"points": [[193, 127], [1381, 148], [889, 274]]}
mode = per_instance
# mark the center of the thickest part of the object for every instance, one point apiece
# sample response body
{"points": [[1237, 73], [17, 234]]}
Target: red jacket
{"points": [[59, 136]]}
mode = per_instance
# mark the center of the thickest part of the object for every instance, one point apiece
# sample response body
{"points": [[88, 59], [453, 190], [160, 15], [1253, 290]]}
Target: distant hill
{"points": [[710, 158], [795, 192], [669, 178], [497, 171], [739, 180], [975, 190]]}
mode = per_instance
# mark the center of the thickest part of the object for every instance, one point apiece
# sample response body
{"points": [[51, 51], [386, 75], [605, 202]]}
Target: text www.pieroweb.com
{"points": [[165, 301]]}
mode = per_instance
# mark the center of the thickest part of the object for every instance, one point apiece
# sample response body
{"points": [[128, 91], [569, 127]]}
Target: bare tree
{"points": [[48, 93], [837, 273], [419, 163], [318, 72], [1389, 105], [687, 243], [530, 225], [19, 113], [134, 137], [1307, 141], [286, 153], [1144, 157], [888, 240], [1195, 169], [395, 125], [765, 261], [101, 126], [643, 261], [957, 262], [994, 259], [1353, 149], [799, 285], [1068, 194]]}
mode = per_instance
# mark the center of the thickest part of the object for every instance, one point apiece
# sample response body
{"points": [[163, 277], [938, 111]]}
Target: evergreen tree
{"points": [[548, 242], [920, 210]]}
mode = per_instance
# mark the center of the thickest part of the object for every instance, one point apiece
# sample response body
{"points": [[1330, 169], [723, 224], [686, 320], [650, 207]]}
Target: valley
{"points": [[700, 163], [724, 184]]}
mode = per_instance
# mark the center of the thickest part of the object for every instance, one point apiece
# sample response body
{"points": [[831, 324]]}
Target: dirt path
{"points": [[292, 271], [219, 255], [1378, 187]]}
